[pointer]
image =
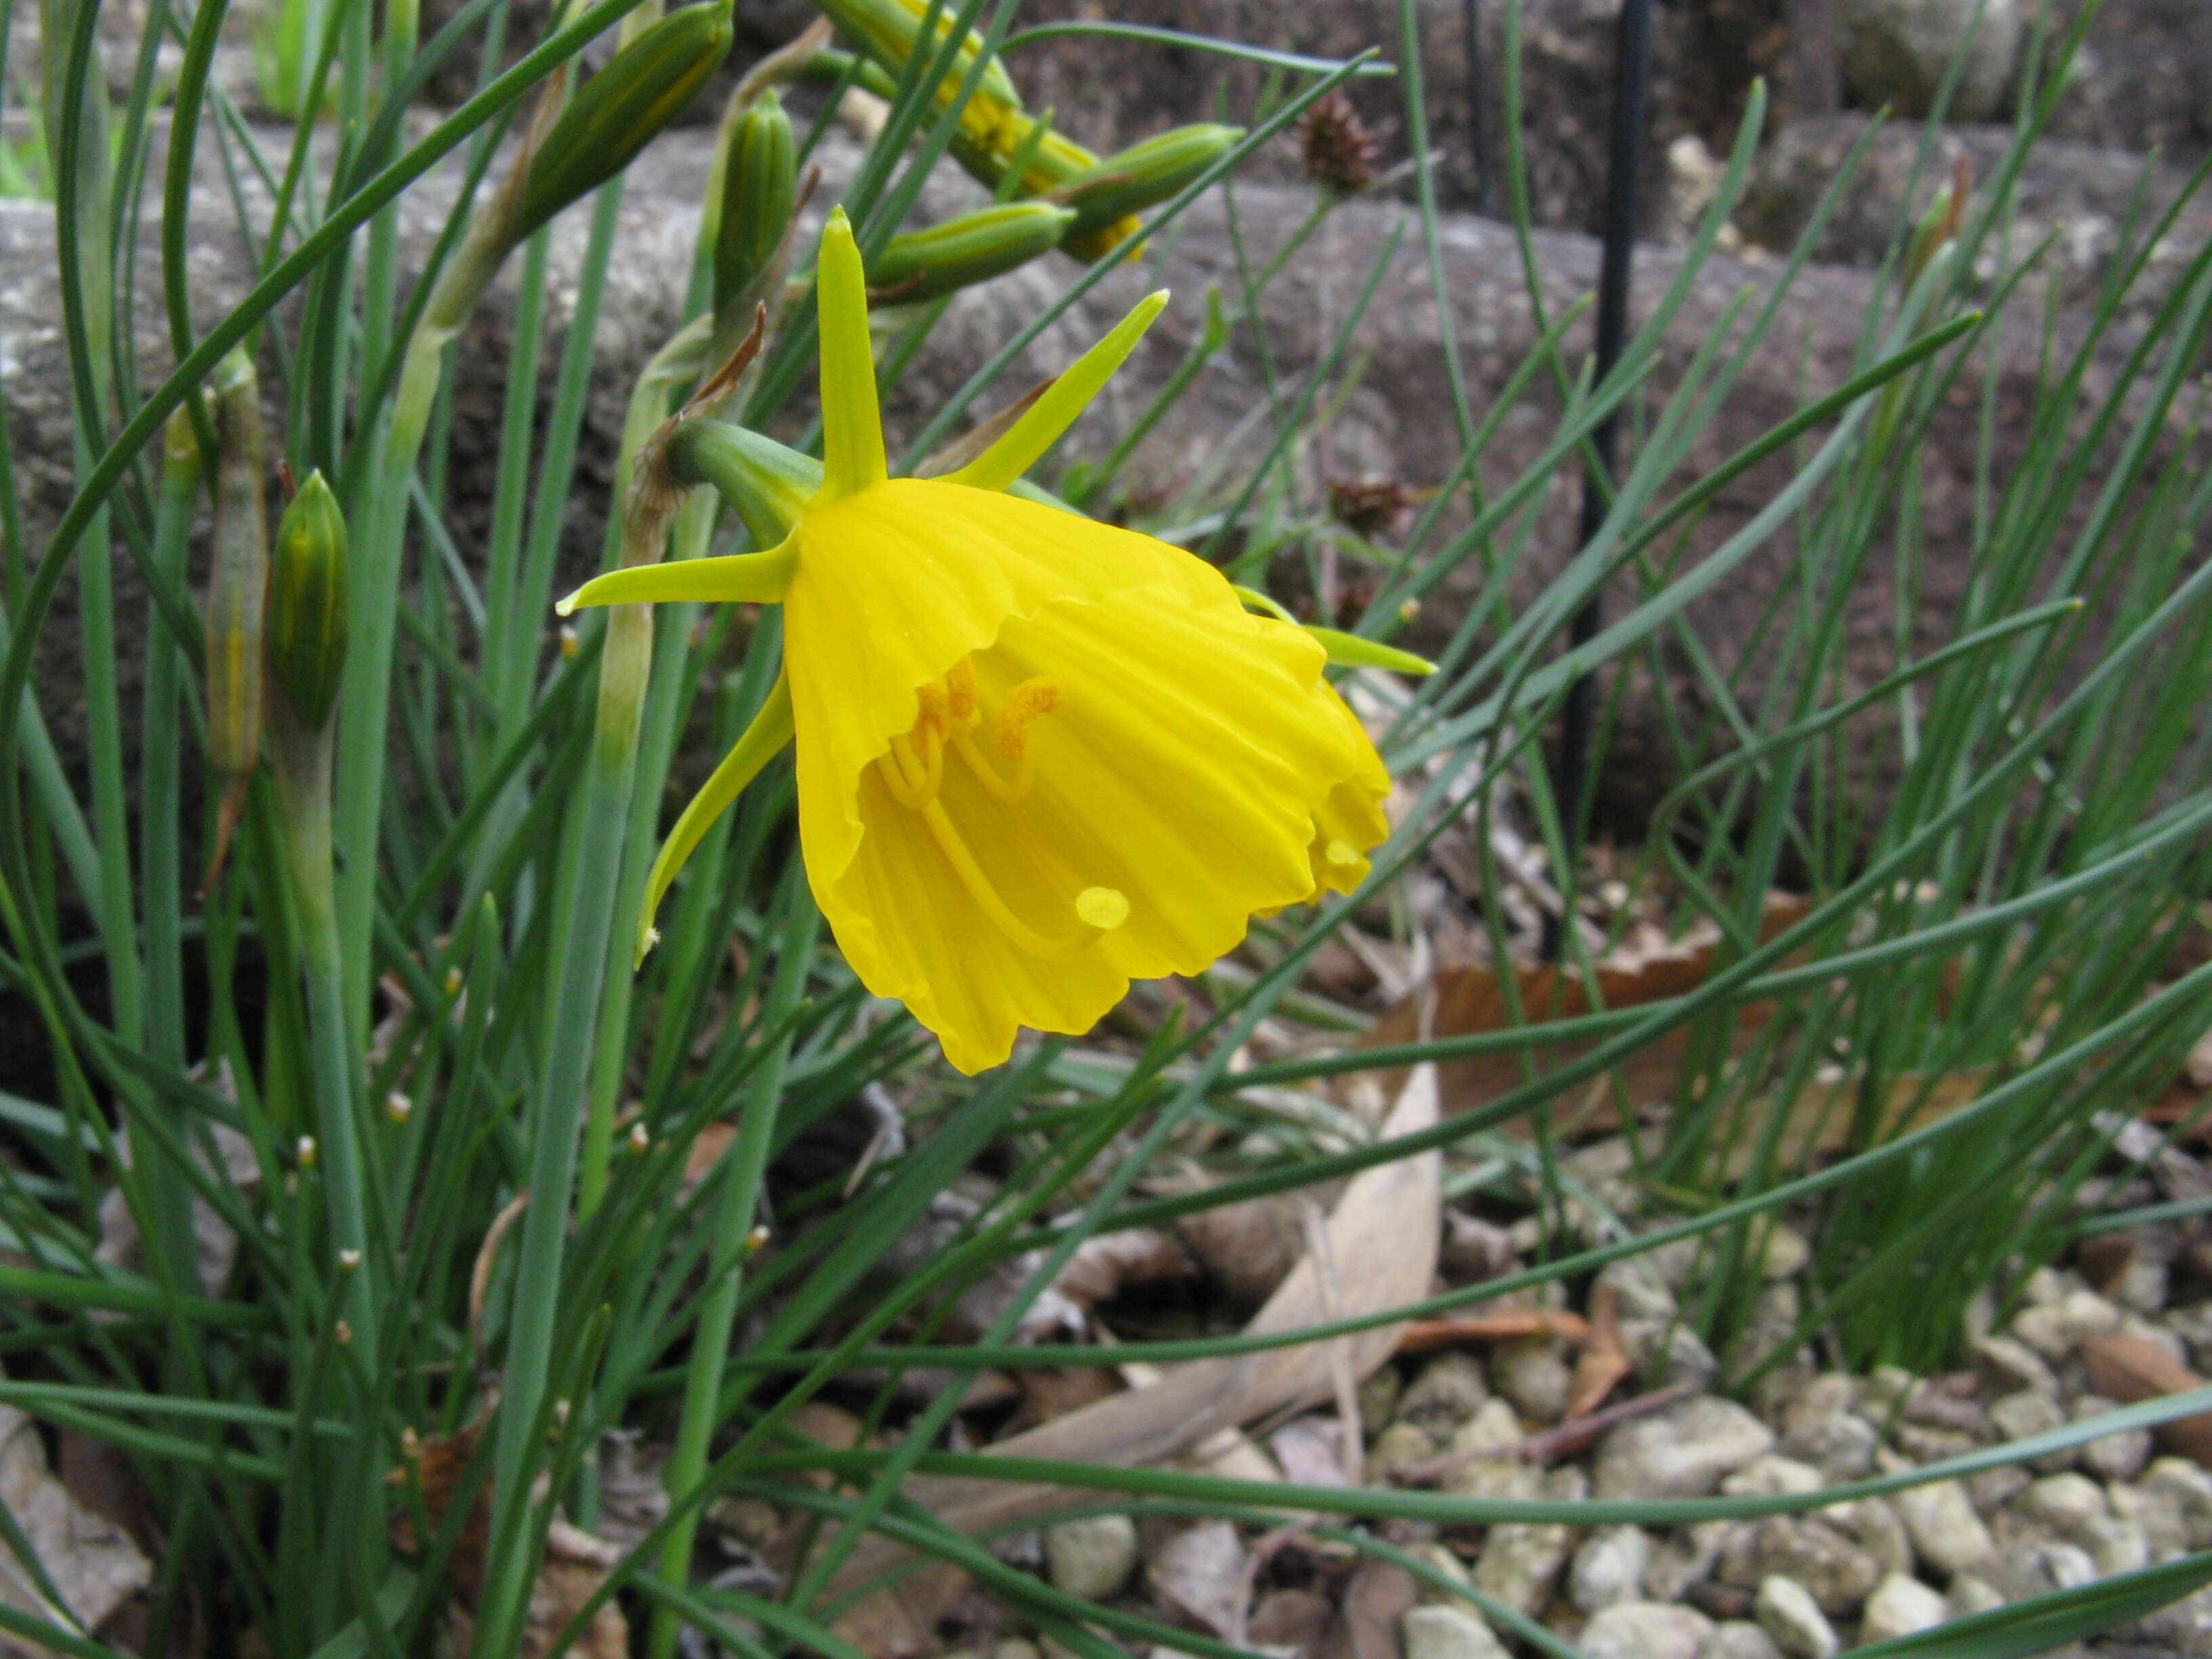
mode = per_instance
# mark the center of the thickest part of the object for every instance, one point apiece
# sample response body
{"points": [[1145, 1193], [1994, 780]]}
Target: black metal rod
{"points": [[1632, 85], [1479, 150]]}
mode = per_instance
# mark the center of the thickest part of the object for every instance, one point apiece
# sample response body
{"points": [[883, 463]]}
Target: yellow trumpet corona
{"points": [[1038, 757]]}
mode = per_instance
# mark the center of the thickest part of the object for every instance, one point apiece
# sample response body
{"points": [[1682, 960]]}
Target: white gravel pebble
{"points": [[1091, 1557], [1447, 1632], [1898, 1607], [1787, 1612], [1646, 1629]]}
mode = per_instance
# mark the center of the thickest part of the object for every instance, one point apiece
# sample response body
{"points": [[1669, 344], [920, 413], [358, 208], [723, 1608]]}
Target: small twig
{"points": [[1420, 1335], [488, 1253], [1562, 1442]]}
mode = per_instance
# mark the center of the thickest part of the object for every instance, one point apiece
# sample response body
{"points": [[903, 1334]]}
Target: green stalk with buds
{"points": [[647, 85], [305, 657]]}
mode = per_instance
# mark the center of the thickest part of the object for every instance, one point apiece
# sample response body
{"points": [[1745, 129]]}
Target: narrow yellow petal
{"points": [[770, 730], [852, 427], [741, 579], [1044, 422]]}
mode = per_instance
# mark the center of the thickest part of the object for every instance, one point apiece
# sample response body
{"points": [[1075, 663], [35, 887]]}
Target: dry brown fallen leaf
{"points": [[89, 1559], [1603, 1364], [575, 1564], [1819, 1120], [215, 1247], [1375, 1598], [1387, 1221], [1201, 1570], [2129, 1369], [1469, 999]]}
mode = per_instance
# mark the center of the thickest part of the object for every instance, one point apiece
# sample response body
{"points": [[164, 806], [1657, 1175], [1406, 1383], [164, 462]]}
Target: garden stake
{"points": [[1631, 82]]}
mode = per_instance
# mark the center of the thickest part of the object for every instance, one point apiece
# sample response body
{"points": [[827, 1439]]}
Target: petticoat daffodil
{"points": [[1038, 757]]}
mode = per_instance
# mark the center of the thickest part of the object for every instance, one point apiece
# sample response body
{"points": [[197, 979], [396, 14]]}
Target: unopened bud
{"points": [[307, 630], [1940, 224], [756, 1240], [1041, 157], [1408, 608], [561, 1413], [344, 1333], [640, 1142], [410, 1443], [888, 30], [453, 982], [644, 86], [180, 444], [238, 583], [571, 642], [1106, 196], [925, 264], [349, 1259], [305, 1149], [760, 186], [398, 1107]]}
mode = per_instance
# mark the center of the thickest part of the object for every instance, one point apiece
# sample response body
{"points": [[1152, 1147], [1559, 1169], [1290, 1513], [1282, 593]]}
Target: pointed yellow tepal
{"points": [[852, 428], [1052, 414]]}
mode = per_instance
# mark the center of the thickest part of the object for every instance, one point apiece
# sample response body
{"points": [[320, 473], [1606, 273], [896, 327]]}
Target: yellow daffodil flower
{"points": [[1038, 757]]}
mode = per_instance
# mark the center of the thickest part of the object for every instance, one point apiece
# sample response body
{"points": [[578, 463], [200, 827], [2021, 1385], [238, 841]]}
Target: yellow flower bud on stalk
{"points": [[647, 85], [889, 31], [924, 264], [306, 621], [1046, 157], [238, 582], [760, 188]]}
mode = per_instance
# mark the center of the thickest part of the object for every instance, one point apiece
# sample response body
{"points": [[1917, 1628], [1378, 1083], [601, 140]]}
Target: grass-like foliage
{"points": [[369, 1188]]}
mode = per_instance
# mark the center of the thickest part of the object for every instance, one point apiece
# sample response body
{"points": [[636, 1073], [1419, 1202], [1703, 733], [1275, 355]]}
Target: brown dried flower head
{"points": [[1368, 506], [1335, 147]]}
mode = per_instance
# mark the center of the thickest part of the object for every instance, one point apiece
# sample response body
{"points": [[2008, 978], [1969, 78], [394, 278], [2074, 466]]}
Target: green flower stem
{"points": [[379, 274], [160, 766], [365, 695], [660, 728], [584, 921], [301, 763], [674, 367], [734, 1206], [75, 103]]}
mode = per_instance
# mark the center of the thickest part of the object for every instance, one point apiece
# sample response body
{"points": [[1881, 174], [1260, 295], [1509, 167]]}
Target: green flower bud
{"points": [[759, 186], [647, 85], [888, 30], [307, 629], [1143, 175], [923, 265]]}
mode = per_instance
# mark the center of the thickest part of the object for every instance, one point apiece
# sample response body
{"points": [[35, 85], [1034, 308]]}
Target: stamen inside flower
{"points": [[913, 769]]}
